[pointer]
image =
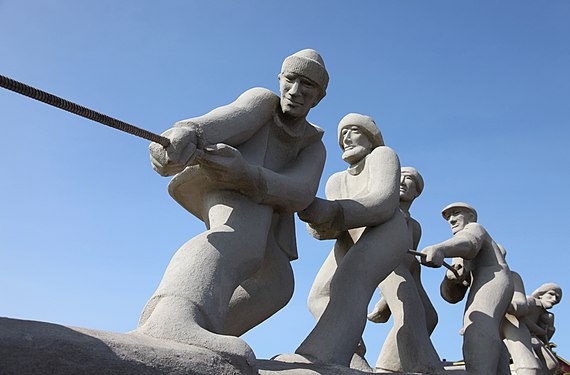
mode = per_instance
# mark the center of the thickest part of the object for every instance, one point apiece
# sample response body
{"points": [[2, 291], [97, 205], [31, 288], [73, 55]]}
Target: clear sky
{"points": [[475, 94]]}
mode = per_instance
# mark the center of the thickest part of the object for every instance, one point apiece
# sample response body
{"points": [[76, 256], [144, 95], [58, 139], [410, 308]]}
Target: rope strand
{"points": [[79, 110]]}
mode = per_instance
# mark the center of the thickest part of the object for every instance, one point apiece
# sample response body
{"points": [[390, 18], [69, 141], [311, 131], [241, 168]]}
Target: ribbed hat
{"points": [[463, 205], [310, 64], [366, 123], [417, 177]]}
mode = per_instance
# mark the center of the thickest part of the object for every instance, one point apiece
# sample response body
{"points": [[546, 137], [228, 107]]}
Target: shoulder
{"points": [[258, 96], [383, 159], [313, 133], [475, 229], [385, 153], [332, 189]]}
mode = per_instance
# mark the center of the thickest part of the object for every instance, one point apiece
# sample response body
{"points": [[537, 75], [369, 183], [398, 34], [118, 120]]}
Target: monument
{"points": [[484, 271], [244, 169], [408, 346]]}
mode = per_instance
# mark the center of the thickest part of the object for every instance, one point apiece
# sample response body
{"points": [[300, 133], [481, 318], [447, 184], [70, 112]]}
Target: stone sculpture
{"points": [[243, 169], [483, 270], [361, 213], [540, 322], [516, 334], [408, 347]]}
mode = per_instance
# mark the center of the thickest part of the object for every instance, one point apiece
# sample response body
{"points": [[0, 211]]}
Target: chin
{"points": [[354, 155]]}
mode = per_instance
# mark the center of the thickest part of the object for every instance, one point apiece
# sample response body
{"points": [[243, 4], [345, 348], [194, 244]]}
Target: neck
{"points": [[357, 167], [291, 123], [405, 207]]}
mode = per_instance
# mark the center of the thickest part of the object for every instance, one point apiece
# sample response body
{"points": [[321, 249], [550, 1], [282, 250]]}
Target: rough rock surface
{"points": [[38, 348]]}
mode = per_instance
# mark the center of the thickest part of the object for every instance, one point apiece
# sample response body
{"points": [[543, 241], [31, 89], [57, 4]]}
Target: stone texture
{"points": [[371, 239], [244, 169], [39, 348], [482, 269]]}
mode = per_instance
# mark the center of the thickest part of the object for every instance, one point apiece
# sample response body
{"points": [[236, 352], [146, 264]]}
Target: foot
{"points": [[381, 312], [178, 319]]}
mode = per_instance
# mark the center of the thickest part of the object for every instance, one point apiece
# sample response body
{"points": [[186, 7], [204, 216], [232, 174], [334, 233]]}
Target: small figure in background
{"points": [[482, 269], [540, 323], [408, 347]]}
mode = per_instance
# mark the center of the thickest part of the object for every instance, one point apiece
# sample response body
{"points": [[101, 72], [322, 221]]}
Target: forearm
{"points": [[236, 122], [459, 246], [293, 188], [285, 192], [368, 211]]}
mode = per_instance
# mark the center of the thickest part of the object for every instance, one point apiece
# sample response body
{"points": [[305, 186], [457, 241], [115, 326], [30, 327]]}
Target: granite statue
{"points": [[516, 334], [243, 169], [371, 238], [483, 270], [540, 322], [407, 347]]}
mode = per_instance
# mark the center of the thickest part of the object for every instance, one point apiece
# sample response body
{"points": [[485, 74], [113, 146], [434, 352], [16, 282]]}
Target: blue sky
{"points": [[475, 94]]}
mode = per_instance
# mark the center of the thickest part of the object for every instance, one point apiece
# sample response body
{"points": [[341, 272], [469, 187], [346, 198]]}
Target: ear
{"points": [[318, 99]]}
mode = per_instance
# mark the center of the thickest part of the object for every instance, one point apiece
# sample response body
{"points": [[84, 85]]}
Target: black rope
{"points": [[79, 110]]}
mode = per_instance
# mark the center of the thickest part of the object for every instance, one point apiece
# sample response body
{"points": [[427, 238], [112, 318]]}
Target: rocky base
{"points": [[37, 348]]}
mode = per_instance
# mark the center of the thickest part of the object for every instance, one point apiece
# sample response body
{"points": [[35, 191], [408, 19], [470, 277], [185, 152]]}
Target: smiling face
{"points": [[298, 94], [355, 143], [458, 218], [408, 188], [549, 299]]}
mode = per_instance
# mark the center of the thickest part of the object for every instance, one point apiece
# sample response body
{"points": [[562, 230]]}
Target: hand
{"points": [[464, 276], [321, 212], [224, 163], [179, 153], [434, 257]]}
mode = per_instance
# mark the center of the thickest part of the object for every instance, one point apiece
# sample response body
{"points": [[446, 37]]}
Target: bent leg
{"points": [[337, 333], [320, 290], [262, 295], [408, 347], [431, 314], [487, 304], [192, 299]]}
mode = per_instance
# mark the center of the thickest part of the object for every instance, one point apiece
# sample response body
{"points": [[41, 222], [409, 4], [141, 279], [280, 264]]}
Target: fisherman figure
{"points": [[361, 212], [243, 169]]}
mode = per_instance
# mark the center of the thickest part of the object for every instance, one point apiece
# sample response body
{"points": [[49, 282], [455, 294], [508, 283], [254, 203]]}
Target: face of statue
{"points": [[549, 299], [408, 189], [298, 94], [355, 143], [458, 218]]}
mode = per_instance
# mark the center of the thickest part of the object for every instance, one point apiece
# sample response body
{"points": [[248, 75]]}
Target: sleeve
{"points": [[294, 188], [236, 122], [379, 202]]}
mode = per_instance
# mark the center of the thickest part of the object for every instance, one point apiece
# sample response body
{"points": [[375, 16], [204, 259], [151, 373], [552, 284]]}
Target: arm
{"points": [[519, 305], [231, 124], [416, 233], [464, 244], [236, 122], [293, 188], [453, 289], [379, 202]]}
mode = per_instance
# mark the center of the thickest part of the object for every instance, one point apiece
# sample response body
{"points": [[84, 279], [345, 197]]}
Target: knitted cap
{"points": [[445, 211], [310, 64], [365, 123], [547, 287], [416, 176]]}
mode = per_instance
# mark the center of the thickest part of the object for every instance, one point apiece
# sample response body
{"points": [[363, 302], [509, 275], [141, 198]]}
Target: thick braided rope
{"points": [[79, 110]]}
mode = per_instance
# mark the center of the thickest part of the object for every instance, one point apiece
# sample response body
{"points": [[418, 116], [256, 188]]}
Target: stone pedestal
{"points": [[39, 348]]}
